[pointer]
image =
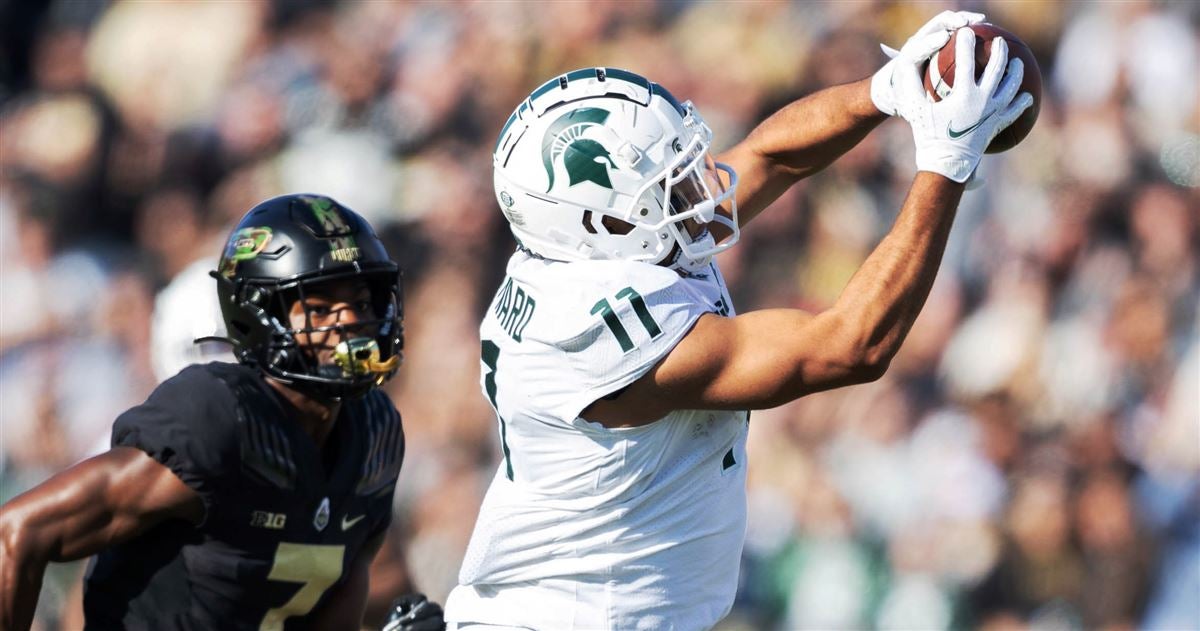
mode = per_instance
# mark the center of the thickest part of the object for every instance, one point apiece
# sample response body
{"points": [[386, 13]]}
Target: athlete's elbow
{"points": [[12, 534], [873, 359], [20, 541], [21, 569], [858, 367], [872, 366], [13, 539], [833, 370], [859, 356]]}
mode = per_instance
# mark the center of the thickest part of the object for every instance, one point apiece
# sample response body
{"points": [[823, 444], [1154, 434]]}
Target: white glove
{"points": [[952, 134], [921, 46]]}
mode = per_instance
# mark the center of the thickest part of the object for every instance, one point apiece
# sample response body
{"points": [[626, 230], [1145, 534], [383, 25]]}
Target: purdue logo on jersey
{"points": [[321, 519]]}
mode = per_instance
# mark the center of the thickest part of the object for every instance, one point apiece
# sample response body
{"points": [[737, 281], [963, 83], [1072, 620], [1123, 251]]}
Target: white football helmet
{"points": [[600, 163], [185, 310]]}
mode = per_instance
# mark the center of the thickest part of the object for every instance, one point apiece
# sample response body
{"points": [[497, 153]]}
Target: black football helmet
{"points": [[284, 247]]}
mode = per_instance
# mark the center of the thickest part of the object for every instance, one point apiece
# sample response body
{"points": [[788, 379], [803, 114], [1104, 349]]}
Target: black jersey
{"points": [[279, 531]]}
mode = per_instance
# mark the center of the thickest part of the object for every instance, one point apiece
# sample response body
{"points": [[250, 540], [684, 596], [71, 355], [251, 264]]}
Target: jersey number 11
{"points": [[604, 308]]}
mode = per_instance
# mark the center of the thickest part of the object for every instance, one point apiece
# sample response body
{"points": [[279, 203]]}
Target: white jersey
{"points": [[586, 527]]}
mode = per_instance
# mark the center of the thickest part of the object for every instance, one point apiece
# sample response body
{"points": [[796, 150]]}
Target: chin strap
{"points": [[213, 338]]}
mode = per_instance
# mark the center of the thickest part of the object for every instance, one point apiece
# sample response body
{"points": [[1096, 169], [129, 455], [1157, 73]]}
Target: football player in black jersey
{"points": [[250, 495]]}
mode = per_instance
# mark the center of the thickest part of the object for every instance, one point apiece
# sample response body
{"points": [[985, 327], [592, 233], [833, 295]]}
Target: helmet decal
{"points": [[328, 215], [243, 245], [344, 249], [513, 215], [583, 158]]}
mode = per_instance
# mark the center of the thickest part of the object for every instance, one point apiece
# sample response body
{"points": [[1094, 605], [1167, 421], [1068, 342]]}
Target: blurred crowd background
{"points": [[1031, 460]]}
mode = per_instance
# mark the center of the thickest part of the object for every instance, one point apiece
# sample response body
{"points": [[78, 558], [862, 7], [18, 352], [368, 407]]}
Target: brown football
{"points": [[939, 82]]}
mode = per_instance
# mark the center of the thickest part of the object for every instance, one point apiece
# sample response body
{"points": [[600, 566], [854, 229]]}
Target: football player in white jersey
{"points": [[619, 372]]}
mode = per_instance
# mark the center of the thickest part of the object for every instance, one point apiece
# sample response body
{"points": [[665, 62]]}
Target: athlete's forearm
{"points": [[810, 133], [887, 293], [33, 529], [21, 572], [797, 141]]}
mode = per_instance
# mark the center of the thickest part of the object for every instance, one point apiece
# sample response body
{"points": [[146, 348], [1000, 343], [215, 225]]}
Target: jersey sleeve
{"points": [[637, 316], [186, 425]]}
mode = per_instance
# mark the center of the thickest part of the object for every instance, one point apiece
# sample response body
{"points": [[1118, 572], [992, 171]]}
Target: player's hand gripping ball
{"points": [[939, 79]]}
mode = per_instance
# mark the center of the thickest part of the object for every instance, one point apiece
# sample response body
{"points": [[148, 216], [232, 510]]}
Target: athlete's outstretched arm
{"points": [[766, 358], [95, 504], [810, 133], [797, 141]]}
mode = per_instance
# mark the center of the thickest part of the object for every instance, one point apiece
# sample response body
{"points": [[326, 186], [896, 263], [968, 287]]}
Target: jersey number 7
{"points": [[315, 567]]}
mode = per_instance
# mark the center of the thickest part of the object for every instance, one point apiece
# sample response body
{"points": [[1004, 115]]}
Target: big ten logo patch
{"points": [[270, 521]]}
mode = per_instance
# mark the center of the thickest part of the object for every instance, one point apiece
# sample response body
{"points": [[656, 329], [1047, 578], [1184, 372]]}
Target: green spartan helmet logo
{"points": [[585, 160]]}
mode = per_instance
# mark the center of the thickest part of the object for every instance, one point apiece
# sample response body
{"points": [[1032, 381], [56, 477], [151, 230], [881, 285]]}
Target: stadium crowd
{"points": [[1031, 459]]}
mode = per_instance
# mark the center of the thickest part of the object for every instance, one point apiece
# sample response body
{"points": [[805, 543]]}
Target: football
{"points": [[939, 79]]}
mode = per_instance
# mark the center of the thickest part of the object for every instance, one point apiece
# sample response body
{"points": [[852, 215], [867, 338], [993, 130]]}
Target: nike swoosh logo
{"points": [[347, 524], [959, 134]]}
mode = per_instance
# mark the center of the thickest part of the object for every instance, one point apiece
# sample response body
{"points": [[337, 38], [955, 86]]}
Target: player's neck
{"points": [[315, 416]]}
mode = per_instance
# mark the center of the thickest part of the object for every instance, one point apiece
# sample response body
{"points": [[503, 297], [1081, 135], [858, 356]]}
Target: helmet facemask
{"points": [[692, 186], [326, 357]]}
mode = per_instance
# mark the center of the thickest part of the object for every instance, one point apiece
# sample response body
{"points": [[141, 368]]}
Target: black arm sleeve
{"points": [[189, 425]]}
